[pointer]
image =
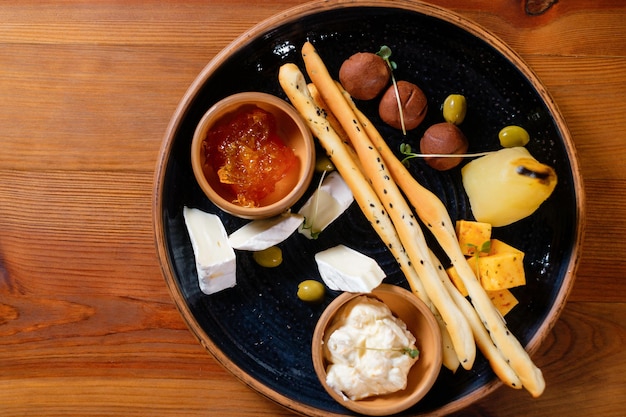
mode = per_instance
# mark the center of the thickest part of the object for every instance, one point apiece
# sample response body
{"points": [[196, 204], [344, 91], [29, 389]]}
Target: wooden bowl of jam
{"points": [[253, 155], [421, 376]]}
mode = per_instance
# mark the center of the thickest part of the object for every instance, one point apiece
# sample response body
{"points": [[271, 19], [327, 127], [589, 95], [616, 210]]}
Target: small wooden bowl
{"points": [[292, 130], [420, 322]]}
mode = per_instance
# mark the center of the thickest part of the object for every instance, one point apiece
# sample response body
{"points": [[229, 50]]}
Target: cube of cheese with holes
{"points": [[472, 235], [503, 300], [500, 271]]}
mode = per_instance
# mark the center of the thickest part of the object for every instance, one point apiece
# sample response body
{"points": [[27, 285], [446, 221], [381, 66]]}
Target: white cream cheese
{"points": [[215, 258], [368, 351]]}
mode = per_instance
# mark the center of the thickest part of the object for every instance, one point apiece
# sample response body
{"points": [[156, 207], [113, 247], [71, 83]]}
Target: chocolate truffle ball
{"points": [[364, 75], [412, 101], [443, 138]]}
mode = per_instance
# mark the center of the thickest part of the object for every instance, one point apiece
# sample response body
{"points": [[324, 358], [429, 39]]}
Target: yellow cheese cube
{"points": [[502, 270], [503, 300], [472, 235], [498, 246], [456, 280]]}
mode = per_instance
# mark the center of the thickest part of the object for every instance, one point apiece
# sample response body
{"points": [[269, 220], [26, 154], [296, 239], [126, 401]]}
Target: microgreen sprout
{"points": [[484, 248], [407, 151], [412, 352], [307, 224], [385, 54]]}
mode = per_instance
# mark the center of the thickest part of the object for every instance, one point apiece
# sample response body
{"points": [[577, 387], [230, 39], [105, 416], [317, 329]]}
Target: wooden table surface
{"points": [[87, 326]]}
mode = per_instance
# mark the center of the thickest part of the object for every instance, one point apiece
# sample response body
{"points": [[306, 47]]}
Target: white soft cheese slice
{"points": [[261, 234], [327, 203], [215, 258], [344, 269]]}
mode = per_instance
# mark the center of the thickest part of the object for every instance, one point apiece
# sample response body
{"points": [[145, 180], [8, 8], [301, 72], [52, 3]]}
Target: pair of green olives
{"points": [[311, 291], [454, 109]]}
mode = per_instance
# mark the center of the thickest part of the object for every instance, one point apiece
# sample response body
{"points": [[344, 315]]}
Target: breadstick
{"points": [[497, 362], [293, 83], [450, 358], [434, 215], [401, 215]]}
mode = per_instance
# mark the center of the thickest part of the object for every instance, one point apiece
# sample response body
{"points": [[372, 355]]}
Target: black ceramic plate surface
{"points": [[259, 329]]}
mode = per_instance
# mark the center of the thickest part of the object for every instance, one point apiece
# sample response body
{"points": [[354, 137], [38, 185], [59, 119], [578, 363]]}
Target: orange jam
{"points": [[248, 154]]}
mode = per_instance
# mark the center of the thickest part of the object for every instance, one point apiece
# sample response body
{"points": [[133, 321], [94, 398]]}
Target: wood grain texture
{"points": [[87, 326]]}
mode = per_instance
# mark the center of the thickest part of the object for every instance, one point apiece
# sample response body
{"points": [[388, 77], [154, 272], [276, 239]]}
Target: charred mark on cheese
{"points": [[534, 174]]}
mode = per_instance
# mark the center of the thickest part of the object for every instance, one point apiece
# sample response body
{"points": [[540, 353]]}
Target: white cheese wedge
{"points": [[261, 234], [344, 269], [327, 203], [215, 258]]}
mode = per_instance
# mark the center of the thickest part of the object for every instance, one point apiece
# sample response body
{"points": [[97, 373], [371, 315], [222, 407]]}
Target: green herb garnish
{"points": [[484, 248], [385, 54], [306, 224], [407, 151], [412, 352]]}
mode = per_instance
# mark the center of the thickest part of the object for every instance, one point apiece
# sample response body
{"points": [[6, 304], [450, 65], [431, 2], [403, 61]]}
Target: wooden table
{"points": [[87, 326]]}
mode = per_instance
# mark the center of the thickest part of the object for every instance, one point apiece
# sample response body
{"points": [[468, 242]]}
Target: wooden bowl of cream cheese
{"points": [[419, 321]]}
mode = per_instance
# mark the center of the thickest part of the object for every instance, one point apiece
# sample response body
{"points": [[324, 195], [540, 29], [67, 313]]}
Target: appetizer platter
{"points": [[259, 327]]}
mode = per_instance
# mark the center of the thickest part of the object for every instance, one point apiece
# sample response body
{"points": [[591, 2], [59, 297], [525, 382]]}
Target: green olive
{"points": [[269, 257], [311, 291], [512, 136], [323, 163], [454, 109]]}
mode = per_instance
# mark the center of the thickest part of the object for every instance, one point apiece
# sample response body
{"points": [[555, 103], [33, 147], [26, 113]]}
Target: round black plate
{"points": [[260, 330]]}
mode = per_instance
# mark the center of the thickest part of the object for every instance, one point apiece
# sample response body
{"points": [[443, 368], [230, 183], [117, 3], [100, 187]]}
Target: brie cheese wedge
{"points": [[258, 235], [327, 203], [215, 258], [344, 269]]}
